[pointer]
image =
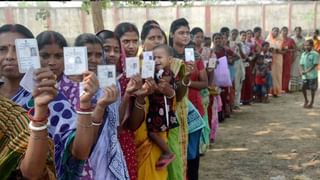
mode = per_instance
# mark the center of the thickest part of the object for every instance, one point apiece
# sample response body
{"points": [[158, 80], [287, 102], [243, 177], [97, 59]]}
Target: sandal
{"points": [[165, 161]]}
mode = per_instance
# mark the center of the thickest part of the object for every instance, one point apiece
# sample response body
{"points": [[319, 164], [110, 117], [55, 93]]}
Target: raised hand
{"points": [[134, 84], [148, 88], [164, 87], [110, 96], [189, 68], [90, 86], [45, 90]]}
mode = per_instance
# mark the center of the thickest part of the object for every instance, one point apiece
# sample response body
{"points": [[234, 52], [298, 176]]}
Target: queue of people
{"points": [[140, 128]]}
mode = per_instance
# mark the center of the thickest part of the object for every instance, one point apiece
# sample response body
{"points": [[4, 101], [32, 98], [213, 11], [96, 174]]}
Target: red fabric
{"points": [[247, 87], [194, 94], [288, 43], [260, 80], [126, 136], [126, 139]]}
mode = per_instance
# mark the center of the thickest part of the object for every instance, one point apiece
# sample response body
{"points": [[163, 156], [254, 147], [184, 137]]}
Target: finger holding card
{"points": [[132, 66], [110, 96], [88, 88]]}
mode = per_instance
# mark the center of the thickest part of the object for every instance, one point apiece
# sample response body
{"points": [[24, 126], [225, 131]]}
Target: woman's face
{"points": [[129, 41], [243, 37], [8, 58], [275, 32], [111, 48], [257, 34], [298, 32], [217, 41], [51, 55], [249, 35], [284, 32], [181, 36], [153, 39], [198, 38], [94, 56]]}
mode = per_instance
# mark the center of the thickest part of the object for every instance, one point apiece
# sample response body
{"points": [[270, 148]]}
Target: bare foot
{"points": [[310, 106], [305, 105]]}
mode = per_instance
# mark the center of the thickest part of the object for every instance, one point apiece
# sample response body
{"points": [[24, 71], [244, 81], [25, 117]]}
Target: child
{"points": [[308, 62], [161, 116], [260, 71], [266, 52]]}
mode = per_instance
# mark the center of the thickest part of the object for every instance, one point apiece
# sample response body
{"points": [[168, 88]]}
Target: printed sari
{"points": [[62, 125]]}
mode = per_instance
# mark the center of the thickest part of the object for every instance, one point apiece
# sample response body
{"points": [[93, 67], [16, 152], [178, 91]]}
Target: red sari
{"points": [[247, 87], [288, 58]]}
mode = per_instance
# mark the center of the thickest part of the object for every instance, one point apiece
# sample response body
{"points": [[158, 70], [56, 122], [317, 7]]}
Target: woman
{"points": [[247, 88], [128, 35], [296, 81], [195, 81], [277, 61], [17, 159], [220, 51], [71, 147], [289, 47]]}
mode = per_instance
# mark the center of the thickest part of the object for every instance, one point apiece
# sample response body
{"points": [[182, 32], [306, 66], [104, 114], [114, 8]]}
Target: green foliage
{"points": [[24, 4]]}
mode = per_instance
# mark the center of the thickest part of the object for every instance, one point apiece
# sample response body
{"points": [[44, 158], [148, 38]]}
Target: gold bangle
{"points": [[138, 105], [39, 137]]}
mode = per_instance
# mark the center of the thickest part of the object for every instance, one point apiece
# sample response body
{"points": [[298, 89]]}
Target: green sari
{"points": [[178, 137], [205, 133]]}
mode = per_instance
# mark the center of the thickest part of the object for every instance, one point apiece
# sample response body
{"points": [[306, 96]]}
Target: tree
{"points": [[96, 8]]}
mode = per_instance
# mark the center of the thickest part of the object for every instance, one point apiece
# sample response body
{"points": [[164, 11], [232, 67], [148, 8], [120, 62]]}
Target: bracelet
{"points": [[96, 123], [31, 111], [173, 95], [35, 128], [186, 85], [84, 112]]}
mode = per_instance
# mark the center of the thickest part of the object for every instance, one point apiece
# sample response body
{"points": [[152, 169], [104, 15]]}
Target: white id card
{"points": [[212, 62], [147, 69], [189, 54], [106, 75], [132, 66], [148, 55], [75, 60], [27, 54], [27, 82]]}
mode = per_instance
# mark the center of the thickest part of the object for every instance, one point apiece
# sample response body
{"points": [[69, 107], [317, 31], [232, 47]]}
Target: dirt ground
{"points": [[276, 141]]}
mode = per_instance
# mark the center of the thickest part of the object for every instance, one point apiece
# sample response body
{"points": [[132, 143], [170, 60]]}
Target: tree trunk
{"points": [[96, 9]]}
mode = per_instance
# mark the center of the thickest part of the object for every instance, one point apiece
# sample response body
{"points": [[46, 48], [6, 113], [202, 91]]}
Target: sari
{"points": [[276, 66], [106, 160], [148, 153], [61, 130], [296, 80], [288, 59], [177, 170], [14, 135]]}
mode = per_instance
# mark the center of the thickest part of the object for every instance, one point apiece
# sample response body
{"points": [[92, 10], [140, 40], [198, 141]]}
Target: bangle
{"points": [[173, 95], [31, 111], [186, 85], [39, 137], [96, 123], [85, 112], [35, 128]]}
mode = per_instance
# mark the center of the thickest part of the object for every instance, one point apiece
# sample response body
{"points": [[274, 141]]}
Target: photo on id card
{"points": [[106, 75], [132, 66], [27, 54], [148, 55], [148, 68], [75, 60], [189, 54]]}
